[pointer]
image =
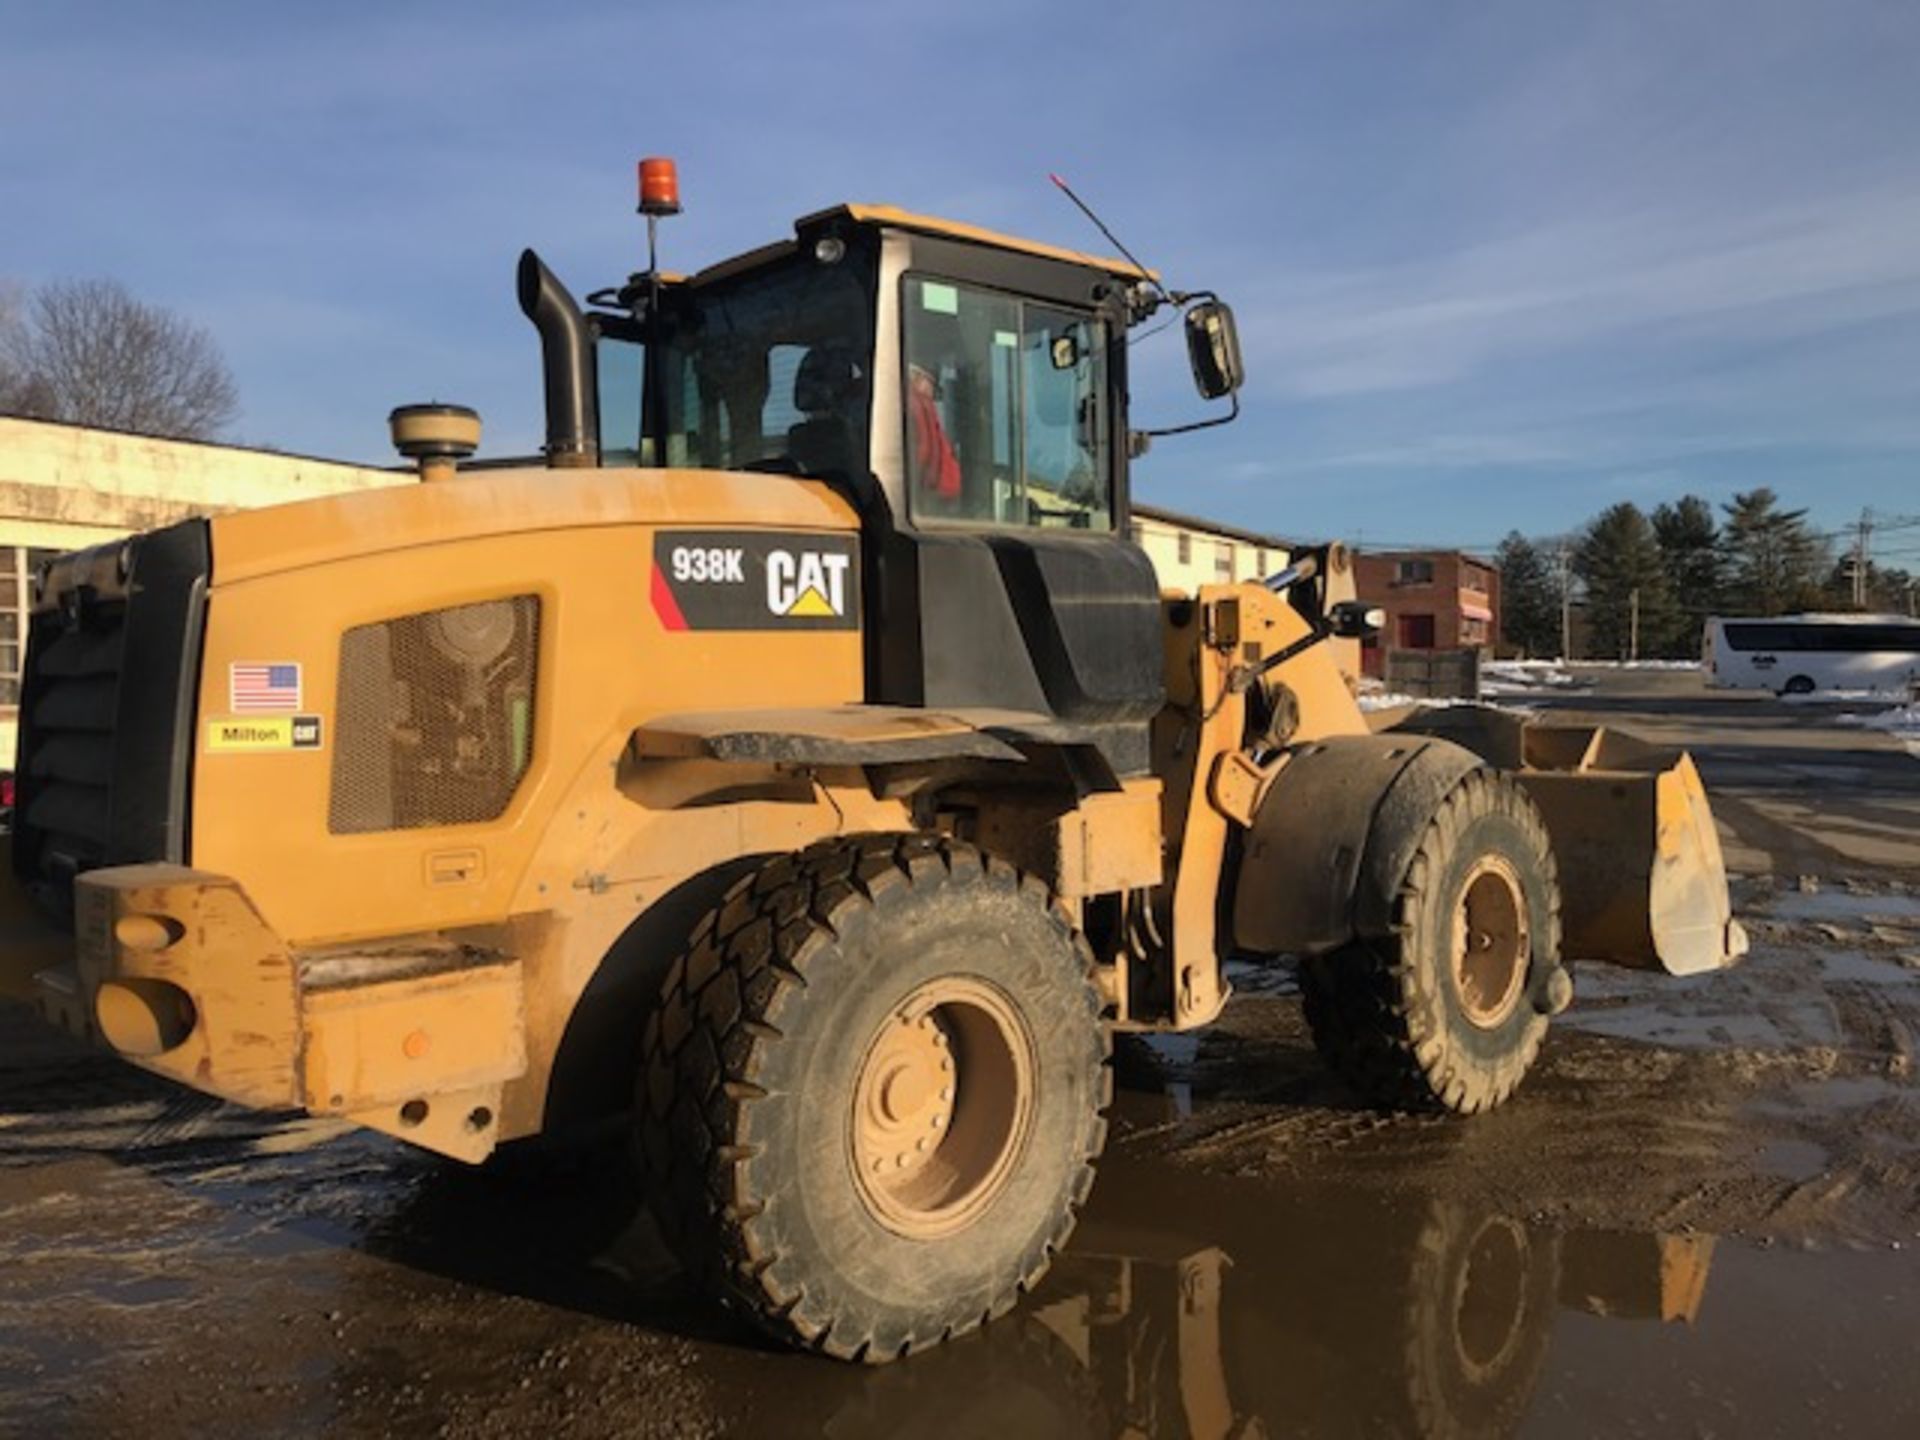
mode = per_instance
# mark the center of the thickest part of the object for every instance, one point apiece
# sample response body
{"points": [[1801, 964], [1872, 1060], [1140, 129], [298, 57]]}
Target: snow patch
{"points": [[1522, 677], [1371, 700], [1902, 722], [1638, 664]]}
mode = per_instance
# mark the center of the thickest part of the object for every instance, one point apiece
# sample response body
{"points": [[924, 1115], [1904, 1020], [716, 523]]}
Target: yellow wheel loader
{"points": [[802, 769]]}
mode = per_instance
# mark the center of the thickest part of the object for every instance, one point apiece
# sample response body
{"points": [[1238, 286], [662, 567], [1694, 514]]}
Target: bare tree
{"points": [[12, 383], [89, 353]]}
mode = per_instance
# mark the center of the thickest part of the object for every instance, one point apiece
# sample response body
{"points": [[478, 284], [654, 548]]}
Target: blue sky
{"points": [[1496, 264]]}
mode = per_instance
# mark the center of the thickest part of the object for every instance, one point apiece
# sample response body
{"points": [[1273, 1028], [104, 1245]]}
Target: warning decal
{"points": [[759, 580]]}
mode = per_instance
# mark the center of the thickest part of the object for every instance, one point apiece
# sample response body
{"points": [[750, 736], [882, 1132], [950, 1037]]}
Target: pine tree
{"points": [[1620, 562], [1774, 564], [1690, 551], [1529, 597]]}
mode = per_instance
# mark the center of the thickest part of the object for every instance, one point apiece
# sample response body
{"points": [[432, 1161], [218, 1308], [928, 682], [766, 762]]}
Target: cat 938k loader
{"points": [[802, 768]]}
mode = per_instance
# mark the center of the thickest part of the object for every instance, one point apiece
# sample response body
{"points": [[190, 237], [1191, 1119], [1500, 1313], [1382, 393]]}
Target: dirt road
{"points": [[1701, 1216]]}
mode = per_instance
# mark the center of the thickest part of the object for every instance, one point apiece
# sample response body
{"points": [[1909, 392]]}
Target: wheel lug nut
{"points": [[921, 1143]]}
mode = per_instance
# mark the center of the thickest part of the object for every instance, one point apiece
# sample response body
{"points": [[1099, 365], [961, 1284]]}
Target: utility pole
{"points": [[1566, 603], [1861, 533], [1633, 623]]}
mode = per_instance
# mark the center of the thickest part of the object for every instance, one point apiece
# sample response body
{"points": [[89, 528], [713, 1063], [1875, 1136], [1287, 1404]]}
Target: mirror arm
{"points": [[1225, 419]]}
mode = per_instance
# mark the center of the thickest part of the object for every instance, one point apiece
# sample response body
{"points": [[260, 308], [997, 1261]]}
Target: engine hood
{"points": [[254, 543]]}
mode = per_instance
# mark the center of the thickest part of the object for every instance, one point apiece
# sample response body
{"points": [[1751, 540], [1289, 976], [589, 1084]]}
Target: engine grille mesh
{"points": [[435, 718]]}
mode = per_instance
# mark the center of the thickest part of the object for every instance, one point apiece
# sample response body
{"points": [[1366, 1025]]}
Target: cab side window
{"points": [[1005, 404]]}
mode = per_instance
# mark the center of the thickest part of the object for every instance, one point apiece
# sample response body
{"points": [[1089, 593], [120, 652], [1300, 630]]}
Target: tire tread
{"points": [[1374, 1010], [702, 1049]]}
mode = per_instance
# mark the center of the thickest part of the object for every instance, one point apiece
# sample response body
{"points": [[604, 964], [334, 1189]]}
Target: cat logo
{"points": [[807, 585], [768, 580]]}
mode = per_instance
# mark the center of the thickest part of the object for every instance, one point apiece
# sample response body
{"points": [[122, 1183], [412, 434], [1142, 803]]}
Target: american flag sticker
{"points": [[254, 688]]}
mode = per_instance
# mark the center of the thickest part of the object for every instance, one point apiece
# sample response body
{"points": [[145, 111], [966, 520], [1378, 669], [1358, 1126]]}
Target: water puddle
{"points": [[1698, 1013], [1859, 968], [355, 1288], [1899, 911], [1263, 977], [1792, 1159], [1233, 1308]]}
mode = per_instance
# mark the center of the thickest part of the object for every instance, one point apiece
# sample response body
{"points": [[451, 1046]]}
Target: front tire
{"points": [[872, 1094], [1445, 1012]]}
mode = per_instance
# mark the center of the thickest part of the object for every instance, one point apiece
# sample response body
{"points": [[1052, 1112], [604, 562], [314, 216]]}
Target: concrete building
{"points": [[64, 487], [1188, 552], [1434, 599]]}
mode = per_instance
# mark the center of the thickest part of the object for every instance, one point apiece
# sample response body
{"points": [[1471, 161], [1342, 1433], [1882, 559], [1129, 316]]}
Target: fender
{"points": [[1340, 822]]}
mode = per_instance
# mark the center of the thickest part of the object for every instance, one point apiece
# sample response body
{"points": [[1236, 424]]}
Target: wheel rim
{"points": [[1490, 942], [1490, 1301], [942, 1106]]}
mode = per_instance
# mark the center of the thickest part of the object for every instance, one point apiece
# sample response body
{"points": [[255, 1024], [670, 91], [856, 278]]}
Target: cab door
{"points": [[1009, 580]]}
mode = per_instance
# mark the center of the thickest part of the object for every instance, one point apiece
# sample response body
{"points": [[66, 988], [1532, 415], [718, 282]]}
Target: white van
{"points": [[1803, 654]]}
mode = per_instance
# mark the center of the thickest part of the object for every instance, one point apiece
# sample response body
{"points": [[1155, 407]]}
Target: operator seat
{"points": [[826, 387]]}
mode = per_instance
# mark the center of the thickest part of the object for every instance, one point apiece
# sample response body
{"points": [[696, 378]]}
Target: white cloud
{"points": [[1796, 270]]}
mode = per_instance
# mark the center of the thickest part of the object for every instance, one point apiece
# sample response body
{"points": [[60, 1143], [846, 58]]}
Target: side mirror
{"points": [[1213, 348]]}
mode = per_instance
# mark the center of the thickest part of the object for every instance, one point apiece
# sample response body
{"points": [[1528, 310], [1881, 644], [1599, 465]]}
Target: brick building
{"points": [[1434, 599]]}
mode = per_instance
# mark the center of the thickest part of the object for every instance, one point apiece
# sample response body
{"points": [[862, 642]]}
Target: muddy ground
{"points": [[1701, 1216]]}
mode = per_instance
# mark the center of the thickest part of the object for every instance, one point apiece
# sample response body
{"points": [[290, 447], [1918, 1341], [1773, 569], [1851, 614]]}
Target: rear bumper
{"points": [[175, 970]]}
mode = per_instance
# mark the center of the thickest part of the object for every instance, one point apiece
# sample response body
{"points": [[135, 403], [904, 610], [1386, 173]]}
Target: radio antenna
{"points": [[1114, 240]]}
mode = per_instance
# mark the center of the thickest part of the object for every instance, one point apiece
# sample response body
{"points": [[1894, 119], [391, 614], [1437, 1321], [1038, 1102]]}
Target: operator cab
{"points": [[967, 392]]}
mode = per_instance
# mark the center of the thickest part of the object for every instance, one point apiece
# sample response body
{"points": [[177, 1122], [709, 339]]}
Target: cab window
{"points": [[1005, 404], [764, 370]]}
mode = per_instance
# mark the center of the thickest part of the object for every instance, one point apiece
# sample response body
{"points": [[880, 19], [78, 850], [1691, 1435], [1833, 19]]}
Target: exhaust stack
{"points": [[566, 357]]}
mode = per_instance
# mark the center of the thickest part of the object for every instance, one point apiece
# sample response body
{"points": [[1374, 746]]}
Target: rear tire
{"points": [[1441, 1013], [872, 1094], [1799, 685]]}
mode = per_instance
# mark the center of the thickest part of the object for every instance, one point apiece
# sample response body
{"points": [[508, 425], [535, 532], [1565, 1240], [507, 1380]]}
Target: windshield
{"points": [[769, 370], [1005, 402]]}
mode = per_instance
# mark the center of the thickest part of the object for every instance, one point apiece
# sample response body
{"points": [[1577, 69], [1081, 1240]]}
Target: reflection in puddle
{"points": [[1429, 1322], [1187, 1305]]}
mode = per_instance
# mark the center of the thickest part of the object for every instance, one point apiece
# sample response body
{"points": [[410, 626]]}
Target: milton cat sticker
{"points": [[759, 580]]}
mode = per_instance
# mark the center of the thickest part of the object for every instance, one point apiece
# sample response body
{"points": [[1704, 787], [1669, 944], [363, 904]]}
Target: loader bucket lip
{"points": [[1643, 880]]}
